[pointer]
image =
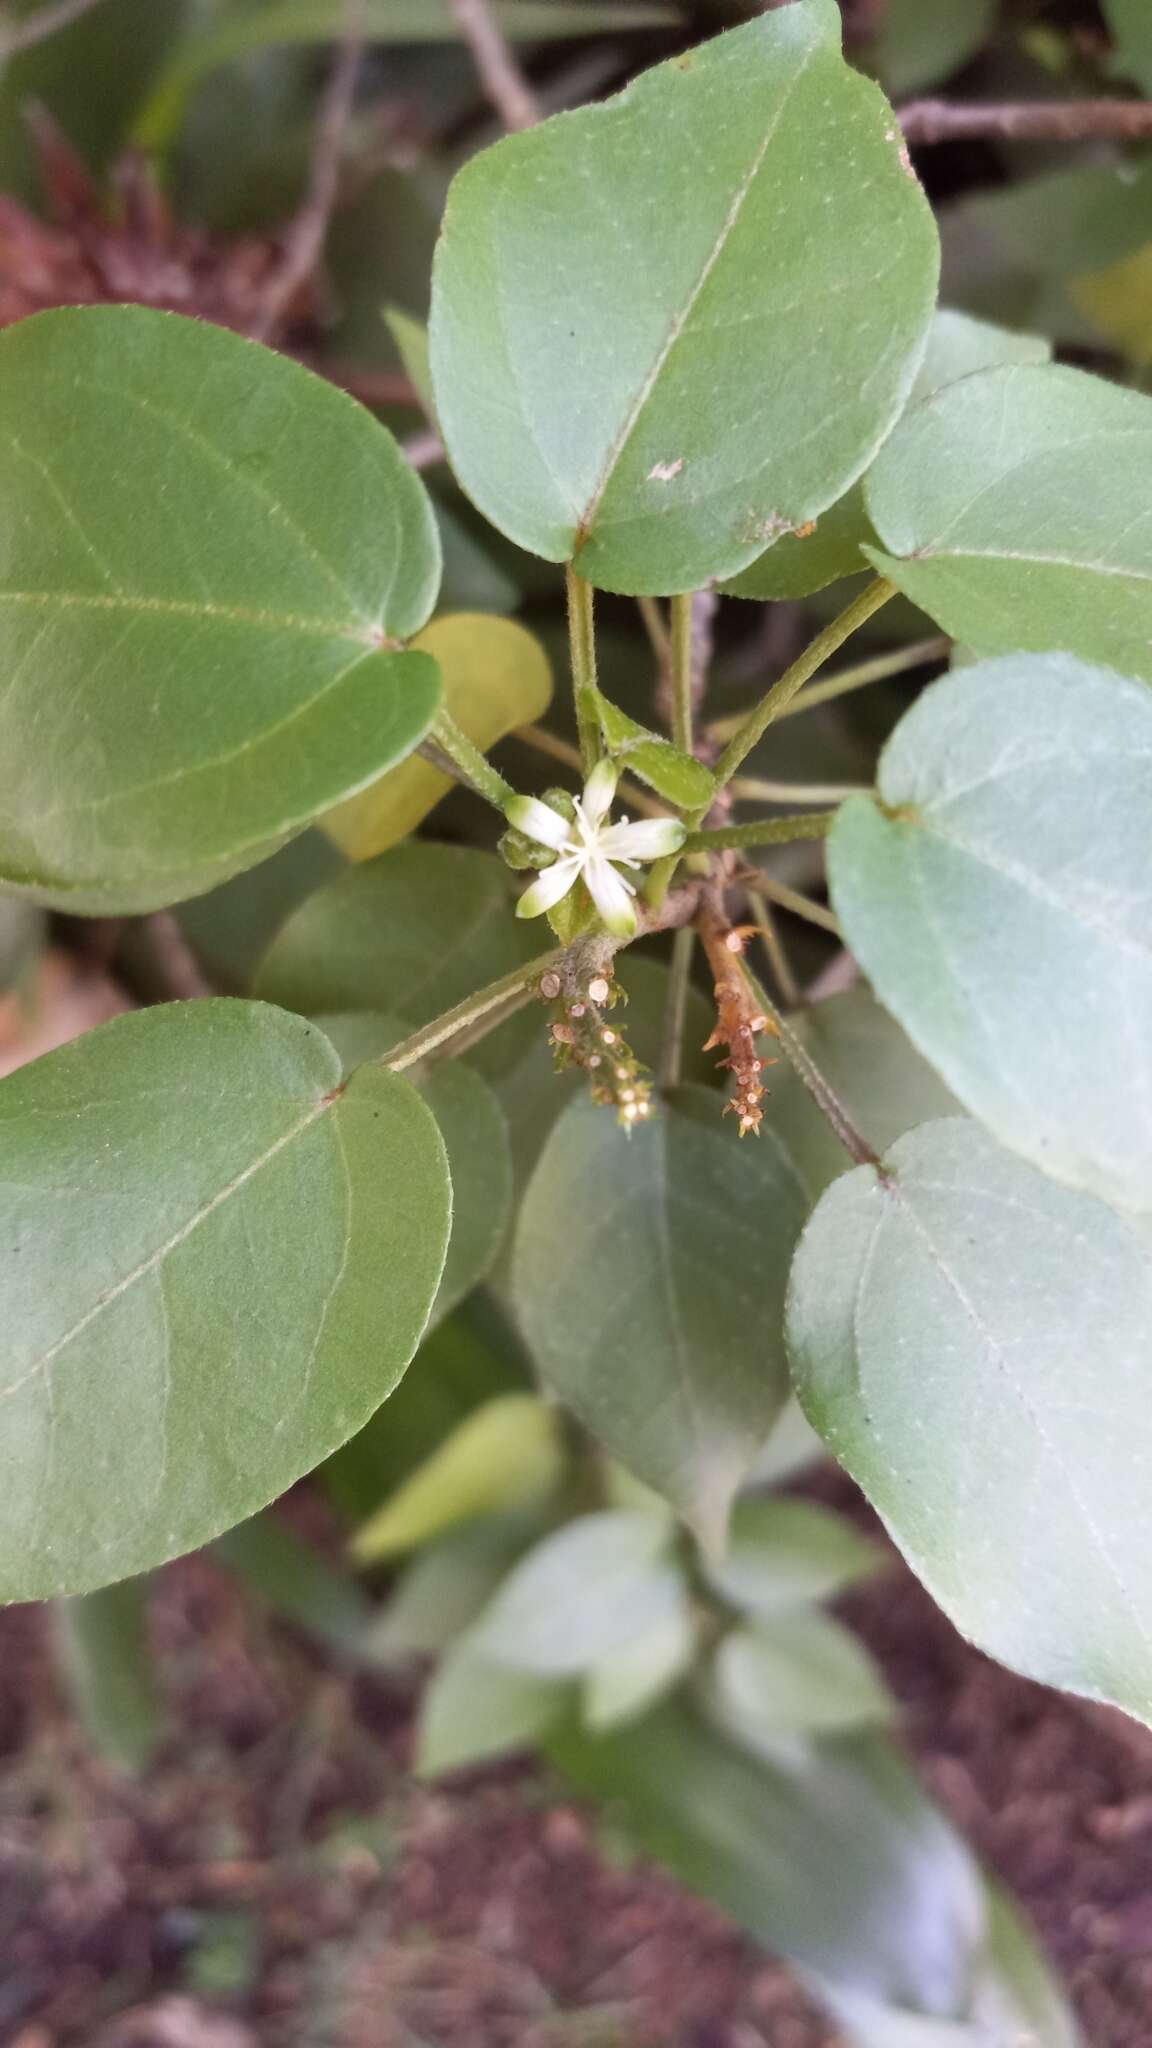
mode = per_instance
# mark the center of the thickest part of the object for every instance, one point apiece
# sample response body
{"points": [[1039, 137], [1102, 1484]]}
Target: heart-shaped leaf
{"points": [[688, 386], [218, 1259], [675, 1357], [209, 560], [972, 1342], [998, 894], [1013, 508], [496, 676]]}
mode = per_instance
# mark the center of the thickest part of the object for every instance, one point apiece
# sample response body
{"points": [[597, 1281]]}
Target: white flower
{"points": [[587, 848]]}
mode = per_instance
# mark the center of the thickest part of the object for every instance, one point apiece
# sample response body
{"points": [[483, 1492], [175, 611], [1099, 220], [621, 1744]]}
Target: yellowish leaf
{"points": [[496, 677], [1119, 301], [507, 1454]]}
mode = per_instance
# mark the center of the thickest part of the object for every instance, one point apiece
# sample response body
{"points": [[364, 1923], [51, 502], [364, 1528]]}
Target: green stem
{"points": [[800, 906], [753, 789], [656, 630], [676, 1011], [468, 762], [629, 793], [821, 1091], [789, 685], [582, 647], [681, 663], [476, 1016], [773, 945], [763, 832], [880, 669]]}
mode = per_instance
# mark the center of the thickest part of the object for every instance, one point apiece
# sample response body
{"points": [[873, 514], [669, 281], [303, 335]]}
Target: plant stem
{"points": [[550, 743], [753, 789], [488, 1008], [656, 630], [1116, 120], [500, 74], [773, 945], [879, 670], [770, 707], [304, 242], [468, 762], [47, 21], [800, 906], [821, 1091], [582, 644], [675, 1014], [762, 832], [683, 662]]}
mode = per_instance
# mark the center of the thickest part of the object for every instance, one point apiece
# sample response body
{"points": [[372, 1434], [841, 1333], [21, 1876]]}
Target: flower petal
{"points": [[647, 839], [538, 821], [599, 791], [549, 887], [612, 896]]}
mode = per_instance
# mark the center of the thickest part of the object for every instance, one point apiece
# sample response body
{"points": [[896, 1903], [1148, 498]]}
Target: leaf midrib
{"points": [[200, 608], [164, 1251]]}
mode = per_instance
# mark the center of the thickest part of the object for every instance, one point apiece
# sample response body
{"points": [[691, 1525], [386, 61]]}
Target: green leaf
{"points": [[804, 1675], [223, 40], [507, 1454], [475, 1134], [674, 1358], [971, 1340], [844, 1868], [783, 1554], [218, 1261], [875, 1070], [188, 689], [1011, 509], [1118, 299], [411, 933], [473, 580], [581, 1595], [685, 782], [475, 1711], [659, 436], [959, 346], [466, 1359], [104, 1650], [411, 338], [496, 676], [800, 565], [998, 894], [640, 1672], [446, 1588], [1131, 25], [922, 42], [232, 927]]}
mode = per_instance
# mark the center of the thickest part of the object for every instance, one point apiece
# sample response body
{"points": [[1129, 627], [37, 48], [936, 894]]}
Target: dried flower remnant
{"points": [[740, 1021], [584, 1035]]}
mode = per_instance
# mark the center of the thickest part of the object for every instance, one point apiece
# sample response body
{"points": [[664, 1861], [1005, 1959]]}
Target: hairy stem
{"points": [[746, 789], [474, 1017], [800, 906], [582, 646], [683, 662], [880, 669], [467, 763], [762, 832], [656, 630], [821, 1090], [789, 685]]}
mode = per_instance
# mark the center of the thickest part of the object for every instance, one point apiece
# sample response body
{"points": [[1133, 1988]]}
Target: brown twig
{"points": [[930, 121], [178, 966], [304, 241], [740, 1016], [24, 35], [500, 75]]}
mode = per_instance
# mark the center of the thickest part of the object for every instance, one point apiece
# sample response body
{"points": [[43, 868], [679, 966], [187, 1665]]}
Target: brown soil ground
{"points": [[278, 1880]]}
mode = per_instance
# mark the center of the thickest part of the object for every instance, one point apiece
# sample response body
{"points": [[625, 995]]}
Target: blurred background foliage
{"points": [[233, 1851]]}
